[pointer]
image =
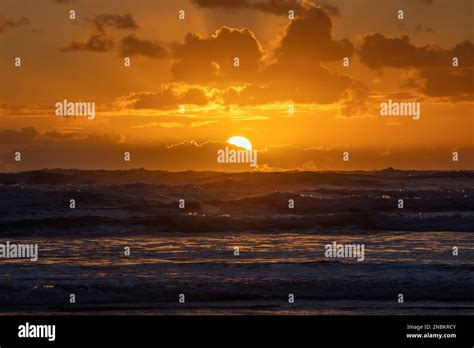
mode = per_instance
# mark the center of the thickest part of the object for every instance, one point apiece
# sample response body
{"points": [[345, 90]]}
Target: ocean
{"points": [[281, 250]]}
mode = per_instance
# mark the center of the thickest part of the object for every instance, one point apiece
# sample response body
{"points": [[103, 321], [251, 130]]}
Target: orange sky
{"points": [[190, 62]]}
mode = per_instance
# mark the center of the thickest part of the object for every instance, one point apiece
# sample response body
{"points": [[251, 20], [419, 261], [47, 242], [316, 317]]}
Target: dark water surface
{"points": [[191, 250]]}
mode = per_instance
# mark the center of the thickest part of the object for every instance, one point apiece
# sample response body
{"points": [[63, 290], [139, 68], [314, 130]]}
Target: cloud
{"points": [[294, 72], [327, 87], [435, 76], [331, 10], [20, 22], [280, 7], [297, 71], [13, 136], [100, 40], [116, 21], [96, 42], [201, 59], [277, 7], [445, 82], [170, 96], [378, 50], [309, 37], [106, 152], [133, 46], [59, 135]]}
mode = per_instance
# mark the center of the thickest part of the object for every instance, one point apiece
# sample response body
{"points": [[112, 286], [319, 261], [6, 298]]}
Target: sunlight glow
{"points": [[240, 142]]}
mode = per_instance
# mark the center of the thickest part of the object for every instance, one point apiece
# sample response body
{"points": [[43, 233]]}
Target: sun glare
{"points": [[240, 142]]}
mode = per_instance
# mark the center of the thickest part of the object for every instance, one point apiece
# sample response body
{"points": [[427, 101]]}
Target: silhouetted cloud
{"points": [[272, 6], [116, 21], [170, 96], [20, 22], [277, 7], [436, 76], [133, 46], [295, 71], [100, 40], [96, 42], [458, 84], [331, 10], [201, 59], [13, 136], [309, 37], [379, 50]]}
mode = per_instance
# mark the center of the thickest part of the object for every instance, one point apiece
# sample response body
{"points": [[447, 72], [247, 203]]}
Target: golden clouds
{"points": [[169, 96], [297, 69], [48, 150], [116, 21], [131, 46], [277, 7], [200, 59], [294, 74], [100, 39], [96, 42], [309, 37], [436, 74], [283, 64], [378, 50]]}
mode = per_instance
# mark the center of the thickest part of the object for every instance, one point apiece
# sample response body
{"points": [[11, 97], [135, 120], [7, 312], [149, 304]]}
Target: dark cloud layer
{"points": [[310, 38], [20, 22], [169, 96], [378, 50], [277, 7], [116, 21], [440, 82], [201, 59], [271, 6], [100, 40], [435, 74], [296, 68], [295, 72], [96, 42], [13, 136], [133, 46]]}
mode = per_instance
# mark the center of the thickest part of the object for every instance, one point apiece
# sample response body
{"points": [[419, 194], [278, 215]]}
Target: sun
{"points": [[240, 142]]}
